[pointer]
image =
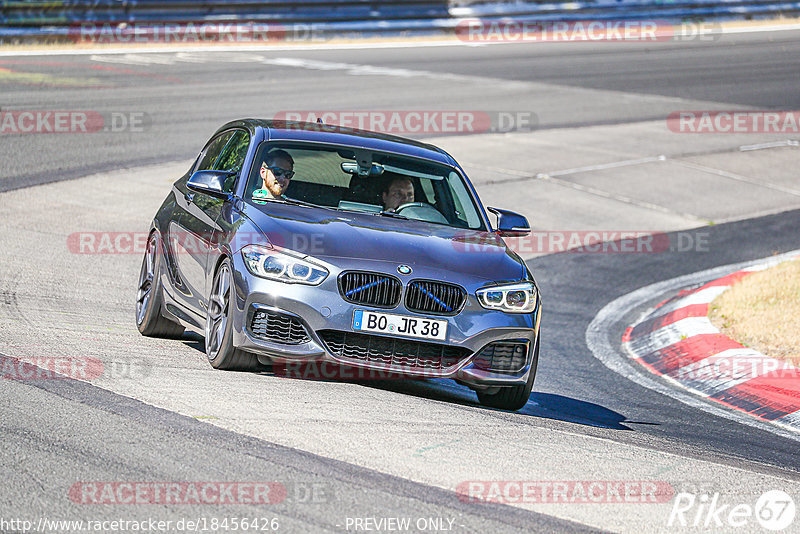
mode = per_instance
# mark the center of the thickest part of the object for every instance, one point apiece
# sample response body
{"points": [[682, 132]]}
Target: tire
{"points": [[149, 296], [219, 327], [515, 397]]}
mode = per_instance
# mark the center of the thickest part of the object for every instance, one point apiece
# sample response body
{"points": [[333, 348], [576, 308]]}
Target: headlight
{"points": [[268, 263], [515, 298]]}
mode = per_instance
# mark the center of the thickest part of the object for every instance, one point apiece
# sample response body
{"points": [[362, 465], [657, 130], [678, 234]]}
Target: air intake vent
{"points": [[370, 288], [392, 352], [434, 297], [278, 328], [503, 357]]}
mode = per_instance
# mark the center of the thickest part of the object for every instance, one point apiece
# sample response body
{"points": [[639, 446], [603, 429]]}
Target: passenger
{"points": [[397, 192], [276, 172]]}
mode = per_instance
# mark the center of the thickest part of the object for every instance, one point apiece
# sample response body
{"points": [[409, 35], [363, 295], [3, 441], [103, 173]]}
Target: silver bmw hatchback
{"points": [[296, 244]]}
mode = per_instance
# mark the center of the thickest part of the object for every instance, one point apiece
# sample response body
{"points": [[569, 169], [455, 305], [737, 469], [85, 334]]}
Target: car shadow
{"points": [[194, 340], [561, 408], [542, 405]]}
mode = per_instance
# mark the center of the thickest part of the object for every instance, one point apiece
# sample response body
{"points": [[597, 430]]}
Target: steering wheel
{"points": [[421, 211]]}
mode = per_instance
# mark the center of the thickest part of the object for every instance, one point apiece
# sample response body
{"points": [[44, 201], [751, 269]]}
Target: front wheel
{"points": [[219, 326], [149, 320], [515, 397]]}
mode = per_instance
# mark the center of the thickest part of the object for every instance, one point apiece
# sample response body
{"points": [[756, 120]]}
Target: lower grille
{"points": [[278, 327], [502, 357], [392, 352]]}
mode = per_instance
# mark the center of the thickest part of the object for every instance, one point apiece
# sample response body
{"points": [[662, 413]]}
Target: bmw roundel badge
{"points": [[404, 269]]}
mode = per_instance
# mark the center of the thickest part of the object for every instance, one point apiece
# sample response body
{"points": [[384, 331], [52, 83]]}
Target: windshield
{"points": [[358, 180]]}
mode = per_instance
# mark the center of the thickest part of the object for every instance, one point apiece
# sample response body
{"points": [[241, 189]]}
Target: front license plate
{"points": [[401, 325]]}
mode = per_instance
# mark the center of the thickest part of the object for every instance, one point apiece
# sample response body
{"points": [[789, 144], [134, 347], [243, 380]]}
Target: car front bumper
{"points": [[321, 308]]}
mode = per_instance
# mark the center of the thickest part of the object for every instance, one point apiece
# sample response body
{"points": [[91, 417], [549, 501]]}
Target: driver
{"points": [[276, 171], [397, 192]]}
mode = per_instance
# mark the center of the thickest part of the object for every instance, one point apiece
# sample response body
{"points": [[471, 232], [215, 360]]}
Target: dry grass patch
{"points": [[762, 311]]}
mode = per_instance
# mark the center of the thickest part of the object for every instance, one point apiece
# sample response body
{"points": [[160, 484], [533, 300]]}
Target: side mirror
{"points": [[510, 224], [210, 183]]}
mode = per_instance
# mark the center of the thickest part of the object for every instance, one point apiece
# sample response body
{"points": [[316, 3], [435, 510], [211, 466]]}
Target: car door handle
{"points": [[189, 196]]}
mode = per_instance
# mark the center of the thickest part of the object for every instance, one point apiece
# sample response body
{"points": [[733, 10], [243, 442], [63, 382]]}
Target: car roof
{"points": [[278, 130]]}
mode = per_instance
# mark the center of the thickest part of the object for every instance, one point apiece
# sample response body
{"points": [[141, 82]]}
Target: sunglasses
{"points": [[279, 172]]}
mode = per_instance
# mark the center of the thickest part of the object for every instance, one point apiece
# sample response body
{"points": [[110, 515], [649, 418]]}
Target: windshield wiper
{"points": [[392, 214], [296, 202]]}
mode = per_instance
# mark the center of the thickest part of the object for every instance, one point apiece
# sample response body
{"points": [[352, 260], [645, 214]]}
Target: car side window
{"points": [[212, 151], [232, 158]]}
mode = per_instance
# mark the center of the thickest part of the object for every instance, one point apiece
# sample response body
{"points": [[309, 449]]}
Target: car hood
{"points": [[331, 234]]}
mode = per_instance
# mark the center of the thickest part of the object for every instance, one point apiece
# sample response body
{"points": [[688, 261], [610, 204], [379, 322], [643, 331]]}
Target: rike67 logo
{"points": [[774, 510]]}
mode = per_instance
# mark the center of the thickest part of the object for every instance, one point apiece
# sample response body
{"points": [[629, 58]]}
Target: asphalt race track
{"points": [[600, 157]]}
